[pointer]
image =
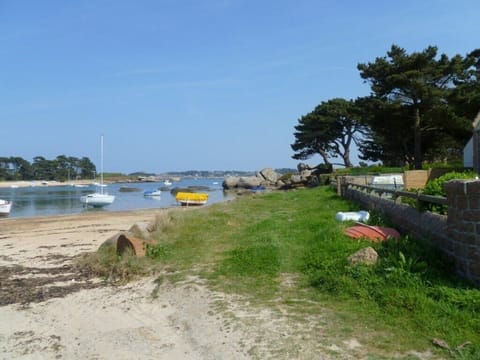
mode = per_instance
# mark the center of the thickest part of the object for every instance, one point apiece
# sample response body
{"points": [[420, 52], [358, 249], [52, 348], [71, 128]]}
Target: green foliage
{"points": [[329, 131], [112, 267], [410, 281], [285, 177], [435, 187], [62, 168], [256, 260], [414, 113], [324, 179], [247, 246], [158, 251], [369, 170]]}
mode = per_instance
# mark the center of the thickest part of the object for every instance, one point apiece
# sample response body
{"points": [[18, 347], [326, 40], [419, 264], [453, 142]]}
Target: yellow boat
{"points": [[186, 198]]}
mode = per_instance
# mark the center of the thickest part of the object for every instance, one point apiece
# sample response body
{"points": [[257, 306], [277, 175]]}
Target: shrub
{"points": [[435, 188], [158, 251]]}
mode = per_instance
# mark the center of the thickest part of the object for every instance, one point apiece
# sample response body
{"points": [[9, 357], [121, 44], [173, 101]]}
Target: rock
{"points": [[248, 182], [366, 256], [230, 182], [296, 179], [141, 228], [302, 166], [305, 174], [269, 175]]}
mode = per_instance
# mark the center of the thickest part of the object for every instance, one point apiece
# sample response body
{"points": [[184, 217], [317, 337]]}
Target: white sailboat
{"points": [[98, 199], [5, 207]]}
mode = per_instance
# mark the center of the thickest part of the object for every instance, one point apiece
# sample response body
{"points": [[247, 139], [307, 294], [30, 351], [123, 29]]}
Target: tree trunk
{"points": [[324, 156], [346, 159], [417, 140]]}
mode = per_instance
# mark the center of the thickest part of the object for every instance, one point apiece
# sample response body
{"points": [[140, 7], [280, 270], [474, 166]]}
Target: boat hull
{"points": [[152, 193], [97, 199], [5, 207], [191, 199]]}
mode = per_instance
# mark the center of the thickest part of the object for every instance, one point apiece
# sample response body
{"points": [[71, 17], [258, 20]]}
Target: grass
{"points": [[252, 245]]}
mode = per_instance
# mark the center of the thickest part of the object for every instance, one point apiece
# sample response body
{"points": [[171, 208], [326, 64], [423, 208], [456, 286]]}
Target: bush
{"points": [[435, 188]]}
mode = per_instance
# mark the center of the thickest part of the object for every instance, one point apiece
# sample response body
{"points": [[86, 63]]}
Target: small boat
{"points": [[373, 233], [98, 199], [167, 182], [128, 189], [389, 182], [187, 198], [152, 193], [5, 207]]}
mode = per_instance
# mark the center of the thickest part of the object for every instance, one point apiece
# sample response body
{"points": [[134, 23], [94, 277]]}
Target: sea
{"points": [[41, 200]]}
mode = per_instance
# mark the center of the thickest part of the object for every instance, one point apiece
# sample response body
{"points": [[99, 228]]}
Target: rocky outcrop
{"points": [[266, 177], [270, 179], [269, 175]]}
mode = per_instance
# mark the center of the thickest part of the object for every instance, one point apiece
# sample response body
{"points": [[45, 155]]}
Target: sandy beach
{"points": [[19, 184], [49, 310]]}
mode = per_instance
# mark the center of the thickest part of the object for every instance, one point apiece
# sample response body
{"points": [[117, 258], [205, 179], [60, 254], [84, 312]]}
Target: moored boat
{"points": [[98, 199], [152, 193], [186, 198], [5, 207]]}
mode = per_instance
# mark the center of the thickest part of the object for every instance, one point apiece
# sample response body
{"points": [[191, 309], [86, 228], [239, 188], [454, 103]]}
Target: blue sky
{"points": [[179, 85]]}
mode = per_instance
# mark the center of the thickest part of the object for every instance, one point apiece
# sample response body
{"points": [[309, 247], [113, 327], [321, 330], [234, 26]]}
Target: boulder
{"points": [[269, 175], [248, 182], [230, 182], [366, 256], [296, 179], [141, 228]]}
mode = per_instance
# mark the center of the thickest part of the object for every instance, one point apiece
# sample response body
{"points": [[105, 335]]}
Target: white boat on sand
{"points": [[5, 207], [98, 199]]}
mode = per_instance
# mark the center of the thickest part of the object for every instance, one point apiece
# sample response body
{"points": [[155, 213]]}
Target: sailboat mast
{"points": [[101, 164]]}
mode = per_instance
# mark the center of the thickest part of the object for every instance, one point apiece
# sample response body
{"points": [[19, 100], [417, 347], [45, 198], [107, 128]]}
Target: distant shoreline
{"points": [[23, 183]]}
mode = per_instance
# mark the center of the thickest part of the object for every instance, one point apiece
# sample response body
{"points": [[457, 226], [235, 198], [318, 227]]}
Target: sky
{"points": [[177, 85]]}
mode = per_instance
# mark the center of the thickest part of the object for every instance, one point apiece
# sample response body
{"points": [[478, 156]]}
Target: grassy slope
{"points": [[251, 245]]}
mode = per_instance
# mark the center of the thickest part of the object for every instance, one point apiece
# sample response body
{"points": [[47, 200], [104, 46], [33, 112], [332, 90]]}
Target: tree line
{"points": [[62, 168], [420, 109]]}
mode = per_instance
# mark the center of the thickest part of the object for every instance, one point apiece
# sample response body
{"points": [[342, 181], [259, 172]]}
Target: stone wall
{"points": [[457, 235], [464, 226]]}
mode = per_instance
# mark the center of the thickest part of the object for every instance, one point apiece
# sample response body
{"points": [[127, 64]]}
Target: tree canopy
{"points": [[60, 169], [421, 108], [414, 96], [329, 131]]}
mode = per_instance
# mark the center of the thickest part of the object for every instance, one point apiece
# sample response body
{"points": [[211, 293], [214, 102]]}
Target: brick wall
{"points": [[464, 226], [456, 235]]}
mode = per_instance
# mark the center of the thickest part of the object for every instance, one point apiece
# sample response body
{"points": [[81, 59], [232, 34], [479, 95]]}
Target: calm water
{"points": [[56, 200]]}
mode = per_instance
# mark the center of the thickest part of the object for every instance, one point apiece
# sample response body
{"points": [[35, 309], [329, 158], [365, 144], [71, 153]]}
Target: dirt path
{"points": [[49, 310]]}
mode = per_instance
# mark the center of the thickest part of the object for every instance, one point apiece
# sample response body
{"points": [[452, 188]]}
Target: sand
{"points": [[20, 183], [48, 310]]}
